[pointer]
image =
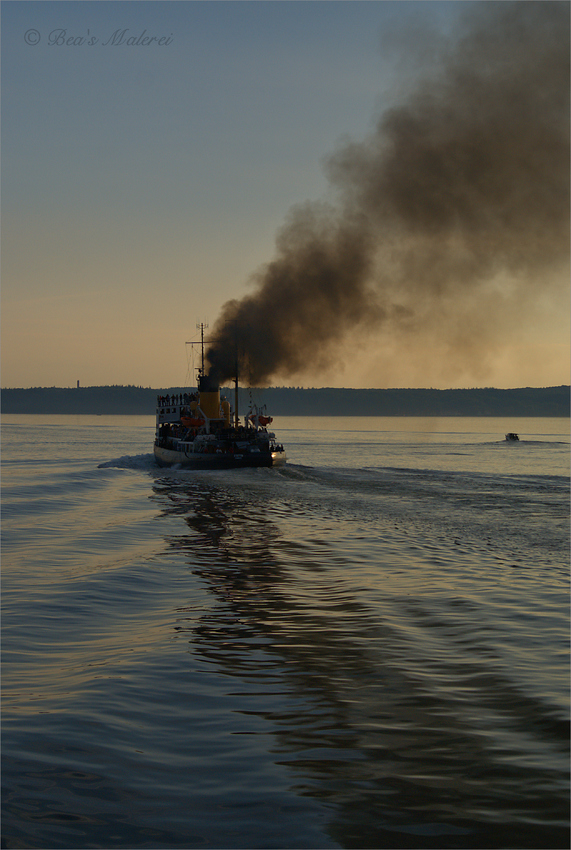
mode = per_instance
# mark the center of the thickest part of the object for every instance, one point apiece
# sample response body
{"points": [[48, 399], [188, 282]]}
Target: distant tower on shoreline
{"points": [[78, 385]]}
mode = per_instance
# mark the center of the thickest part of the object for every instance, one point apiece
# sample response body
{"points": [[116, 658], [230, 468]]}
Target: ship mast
{"points": [[236, 383], [201, 326], [202, 344]]}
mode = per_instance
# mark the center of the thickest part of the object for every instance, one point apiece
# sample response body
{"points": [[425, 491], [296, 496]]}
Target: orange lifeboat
{"points": [[189, 422], [257, 419]]}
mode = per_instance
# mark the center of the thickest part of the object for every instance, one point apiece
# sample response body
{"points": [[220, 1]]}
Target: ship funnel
{"points": [[209, 390]]}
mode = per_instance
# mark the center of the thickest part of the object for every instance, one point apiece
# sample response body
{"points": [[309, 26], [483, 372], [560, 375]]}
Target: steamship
{"points": [[197, 430]]}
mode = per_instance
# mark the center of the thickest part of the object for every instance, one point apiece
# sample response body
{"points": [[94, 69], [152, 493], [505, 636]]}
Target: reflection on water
{"points": [[368, 648], [399, 719]]}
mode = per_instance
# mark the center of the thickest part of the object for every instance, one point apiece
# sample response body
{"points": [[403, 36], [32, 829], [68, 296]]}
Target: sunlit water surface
{"points": [[365, 649]]}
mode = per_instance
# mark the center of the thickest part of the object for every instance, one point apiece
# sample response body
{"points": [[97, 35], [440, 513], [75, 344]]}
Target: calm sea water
{"points": [[366, 649]]}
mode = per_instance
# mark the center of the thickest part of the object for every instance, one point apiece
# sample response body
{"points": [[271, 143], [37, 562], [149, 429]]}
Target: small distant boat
{"points": [[511, 437], [198, 429]]}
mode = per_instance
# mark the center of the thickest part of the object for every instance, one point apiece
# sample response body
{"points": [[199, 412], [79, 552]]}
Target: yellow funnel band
{"points": [[210, 404]]}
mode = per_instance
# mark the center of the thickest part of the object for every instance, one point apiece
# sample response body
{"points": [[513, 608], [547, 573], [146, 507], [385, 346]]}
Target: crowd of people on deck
{"points": [[175, 399]]}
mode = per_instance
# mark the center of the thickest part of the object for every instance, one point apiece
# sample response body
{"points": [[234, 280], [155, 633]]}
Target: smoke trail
{"points": [[448, 215]]}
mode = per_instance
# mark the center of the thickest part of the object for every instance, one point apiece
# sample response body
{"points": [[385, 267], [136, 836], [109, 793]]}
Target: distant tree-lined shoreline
{"points": [[295, 401]]}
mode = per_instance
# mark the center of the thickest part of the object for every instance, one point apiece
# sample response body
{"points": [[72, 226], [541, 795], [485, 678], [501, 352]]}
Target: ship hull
{"points": [[201, 460]]}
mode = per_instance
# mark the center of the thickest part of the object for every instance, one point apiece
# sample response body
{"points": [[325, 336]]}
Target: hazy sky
{"points": [[143, 184]]}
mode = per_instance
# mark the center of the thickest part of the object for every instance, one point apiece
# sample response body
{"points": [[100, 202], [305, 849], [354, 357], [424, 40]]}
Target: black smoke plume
{"points": [[454, 210]]}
